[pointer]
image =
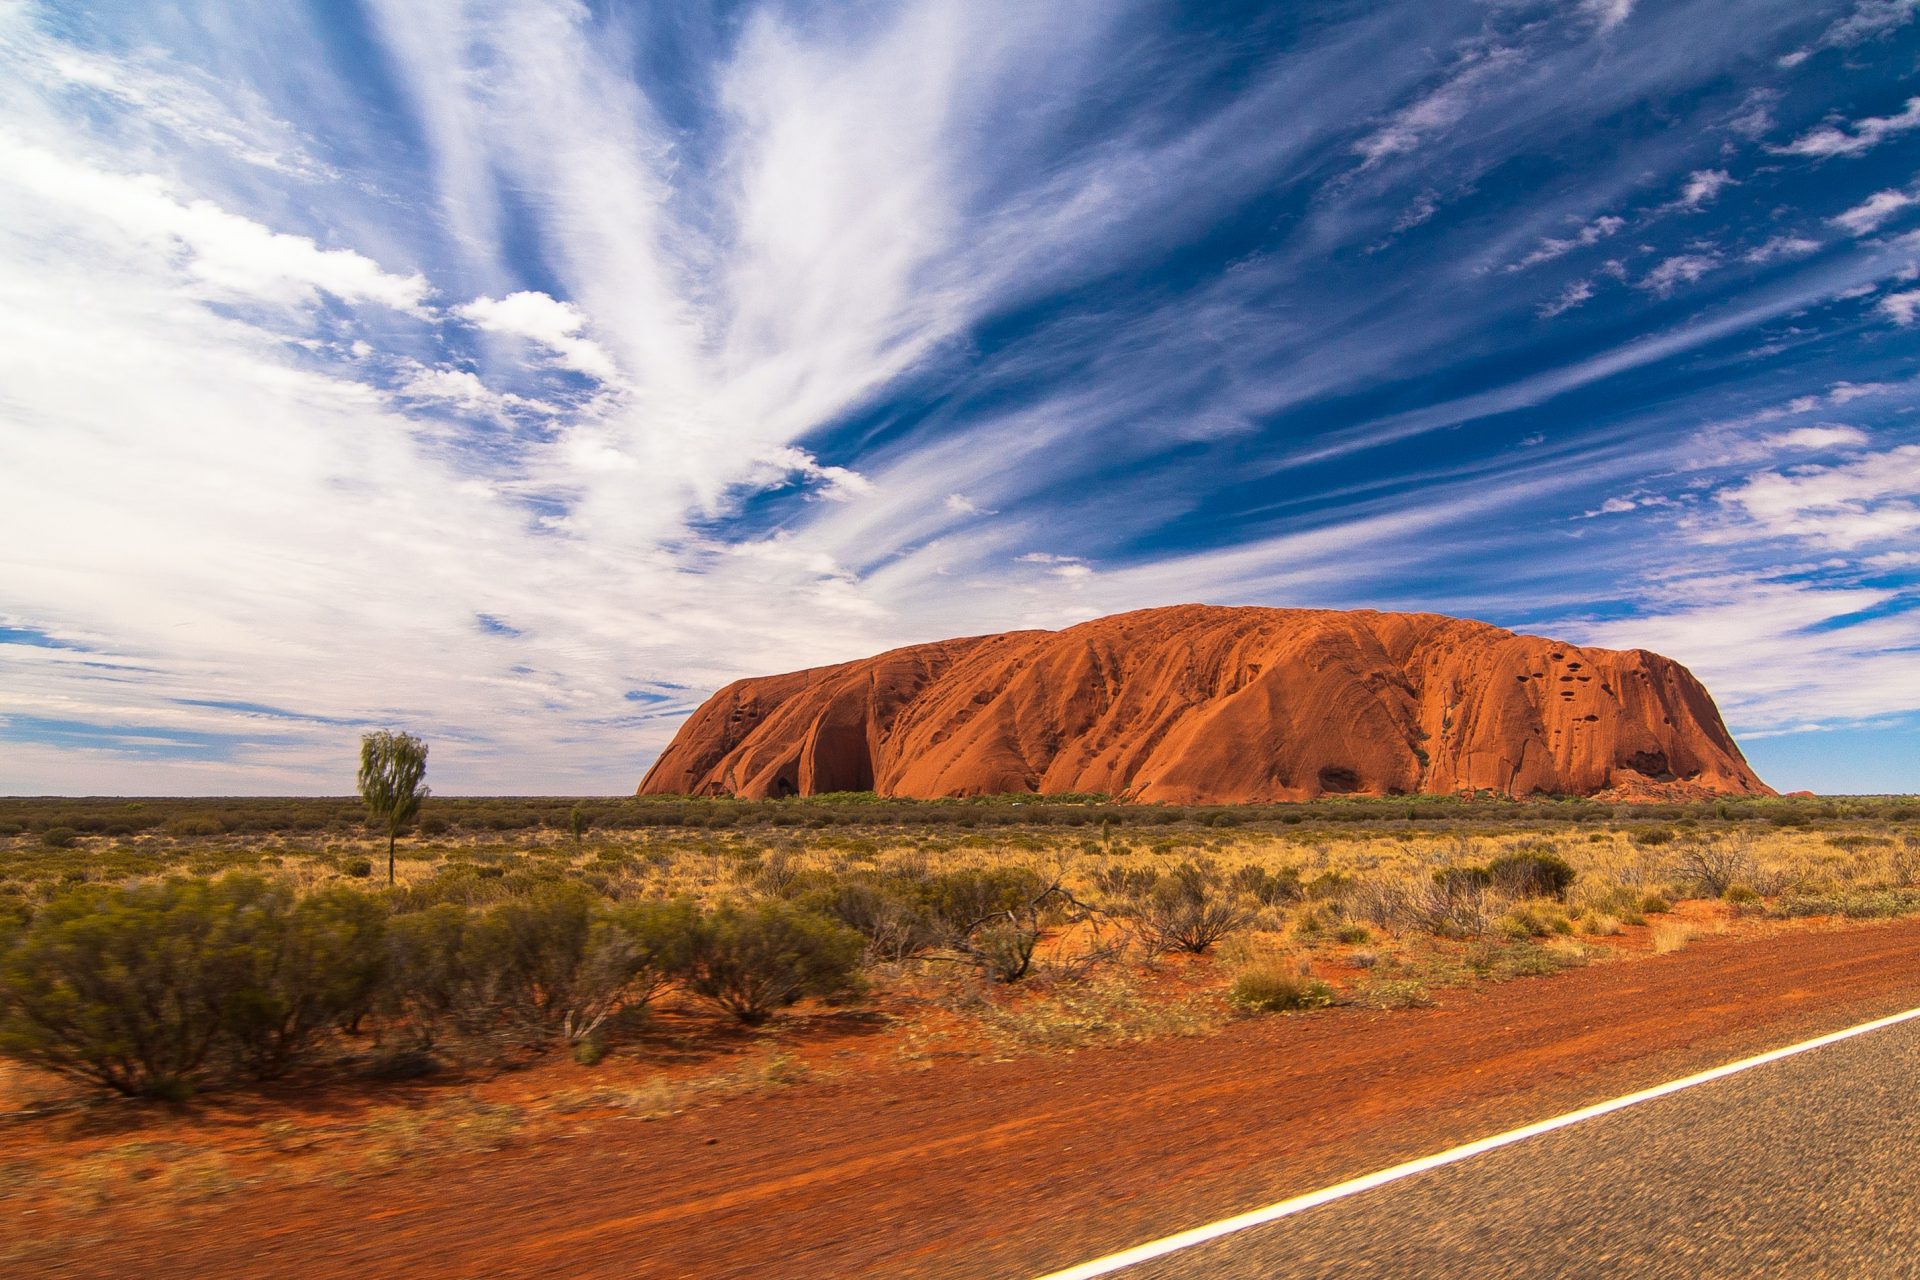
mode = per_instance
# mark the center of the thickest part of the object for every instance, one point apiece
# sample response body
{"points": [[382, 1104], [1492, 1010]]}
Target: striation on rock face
{"points": [[1198, 704]]}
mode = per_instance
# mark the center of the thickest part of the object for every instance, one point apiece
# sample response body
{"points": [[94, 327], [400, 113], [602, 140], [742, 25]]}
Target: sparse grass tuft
{"points": [[1671, 935], [1107, 1010], [1393, 993], [1273, 988]]}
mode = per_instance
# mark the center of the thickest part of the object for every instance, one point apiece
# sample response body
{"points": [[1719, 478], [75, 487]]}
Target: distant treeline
{"points": [[197, 818]]}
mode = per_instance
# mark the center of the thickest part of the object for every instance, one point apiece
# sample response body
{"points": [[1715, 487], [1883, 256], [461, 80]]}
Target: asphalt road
{"points": [[1805, 1167]]}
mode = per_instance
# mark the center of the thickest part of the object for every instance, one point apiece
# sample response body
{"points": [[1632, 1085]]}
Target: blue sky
{"points": [[517, 374]]}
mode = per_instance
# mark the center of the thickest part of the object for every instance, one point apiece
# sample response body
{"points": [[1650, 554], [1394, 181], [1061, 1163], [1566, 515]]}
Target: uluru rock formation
{"points": [[1197, 704]]}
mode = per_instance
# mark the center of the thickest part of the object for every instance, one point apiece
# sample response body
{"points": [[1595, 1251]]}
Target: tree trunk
{"points": [[390, 836]]}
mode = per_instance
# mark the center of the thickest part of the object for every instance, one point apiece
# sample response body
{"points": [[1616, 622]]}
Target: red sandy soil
{"points": [[965, 1167], [1202, 705]]}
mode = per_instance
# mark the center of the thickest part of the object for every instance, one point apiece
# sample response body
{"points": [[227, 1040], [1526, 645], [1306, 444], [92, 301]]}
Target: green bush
{"points": [[751, 960], [1533, 920], [889, 912], [360, 868], [958, 900], [300, 968], [431, 986], [130, 989], [59, 837], [1269, 888], [1462, 881], [554, 963], [1531, 873]]}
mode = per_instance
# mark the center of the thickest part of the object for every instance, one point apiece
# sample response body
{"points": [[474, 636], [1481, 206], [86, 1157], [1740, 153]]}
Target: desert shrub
{"points": [[1533, 920], [129, 989], [1714, 868], [778, 875], [1270, 988], [1116, 881], [431, 985], [359, 868], [551, 963], [991, 917], [752, 960], [1002, 947], [1464, 879], [1858, 904], [1531, 873], [1522, 959], [886, 911], [528, 958], [299, 968], [1190, 909], [1457, 902], [960, 900], [1269, 888], [1653, 904], [632, 952], [59, 837], [1329, 886]]}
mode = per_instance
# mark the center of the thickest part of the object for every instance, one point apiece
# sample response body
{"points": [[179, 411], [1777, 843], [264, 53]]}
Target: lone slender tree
{"points": [[391, 768]]}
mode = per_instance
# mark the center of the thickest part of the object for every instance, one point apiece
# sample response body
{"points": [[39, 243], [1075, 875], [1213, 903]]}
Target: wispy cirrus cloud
{"points": [[1701, 188], [487, 363], [1874, 212], [1864, 21], [1855, 138]]}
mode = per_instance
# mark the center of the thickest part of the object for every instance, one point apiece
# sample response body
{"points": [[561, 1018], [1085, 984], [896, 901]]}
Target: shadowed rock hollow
{"points": [[1196, 704]]}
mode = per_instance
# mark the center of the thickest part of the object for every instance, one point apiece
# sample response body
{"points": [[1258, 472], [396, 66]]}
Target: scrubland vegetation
{"points": [[159, 947], [543, 969]]}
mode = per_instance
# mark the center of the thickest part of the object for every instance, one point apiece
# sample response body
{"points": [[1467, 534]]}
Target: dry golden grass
{"points": [[1672, 935]]}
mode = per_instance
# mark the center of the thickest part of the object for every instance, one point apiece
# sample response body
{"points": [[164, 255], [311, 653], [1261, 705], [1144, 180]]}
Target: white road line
{"points": [[1339, 1191]]}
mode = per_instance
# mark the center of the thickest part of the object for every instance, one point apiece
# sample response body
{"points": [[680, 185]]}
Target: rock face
{"points": [[1196, 705]]}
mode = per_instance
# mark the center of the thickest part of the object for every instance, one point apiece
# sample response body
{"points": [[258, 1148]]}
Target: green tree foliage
{"points": [[392, 769]]}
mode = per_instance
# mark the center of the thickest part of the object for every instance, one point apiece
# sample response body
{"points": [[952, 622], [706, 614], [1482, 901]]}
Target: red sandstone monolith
{"points": [[1197, 704]]}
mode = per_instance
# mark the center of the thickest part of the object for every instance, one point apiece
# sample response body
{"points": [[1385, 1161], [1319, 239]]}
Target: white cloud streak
{"points": [[1874, 212], [620, 382], [1855, 139]]}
